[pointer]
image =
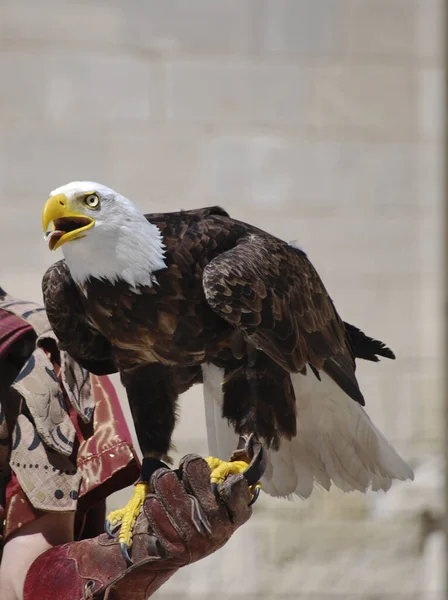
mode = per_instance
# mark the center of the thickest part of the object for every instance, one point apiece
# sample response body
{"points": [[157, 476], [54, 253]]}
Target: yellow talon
{"points": [[213, 462], [222, 469], [128, 515]]}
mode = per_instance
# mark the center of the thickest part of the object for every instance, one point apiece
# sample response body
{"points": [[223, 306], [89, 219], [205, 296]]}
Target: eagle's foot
{"points": [[125, 517], [221, 469]]}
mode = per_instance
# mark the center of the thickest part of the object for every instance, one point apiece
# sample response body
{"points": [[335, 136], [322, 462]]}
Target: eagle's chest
{"points": [[170, 322]]}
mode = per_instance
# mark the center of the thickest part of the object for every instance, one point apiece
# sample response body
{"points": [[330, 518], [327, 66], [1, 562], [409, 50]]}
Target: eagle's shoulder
{"points": [[197, 235], [208, 211], [184, 217]]}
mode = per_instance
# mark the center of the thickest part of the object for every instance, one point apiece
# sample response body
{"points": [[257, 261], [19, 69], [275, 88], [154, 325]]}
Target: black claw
{"points": [[255, 496], [256, 468], [108, 530], [125, 554], [216, 492]]}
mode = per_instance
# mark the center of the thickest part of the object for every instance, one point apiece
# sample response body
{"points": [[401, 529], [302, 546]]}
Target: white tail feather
{"points": [[336, 441], [222, 440]]}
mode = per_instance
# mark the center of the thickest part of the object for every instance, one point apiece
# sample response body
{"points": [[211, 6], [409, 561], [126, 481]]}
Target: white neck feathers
{"points": [[131, 250]]}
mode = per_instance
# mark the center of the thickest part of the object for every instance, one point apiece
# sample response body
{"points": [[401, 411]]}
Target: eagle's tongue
{"points": [[53, 237]]}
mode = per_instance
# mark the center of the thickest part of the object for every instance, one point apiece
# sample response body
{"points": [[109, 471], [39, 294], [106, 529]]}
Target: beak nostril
{"points": [[61, 202]]}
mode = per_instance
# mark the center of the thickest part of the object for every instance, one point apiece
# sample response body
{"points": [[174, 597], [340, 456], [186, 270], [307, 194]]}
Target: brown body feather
{"points": [[231, 295]]}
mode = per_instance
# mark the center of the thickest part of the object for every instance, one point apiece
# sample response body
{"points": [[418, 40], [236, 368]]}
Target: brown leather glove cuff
{"points": [[182, 521], [91, 569]]}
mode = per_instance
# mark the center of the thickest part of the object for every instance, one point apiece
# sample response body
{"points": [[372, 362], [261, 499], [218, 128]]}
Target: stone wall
{"points": [[319, 120]]}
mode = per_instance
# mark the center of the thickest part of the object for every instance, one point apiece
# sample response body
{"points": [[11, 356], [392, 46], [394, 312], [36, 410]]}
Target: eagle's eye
{"points": [[92, 201]]}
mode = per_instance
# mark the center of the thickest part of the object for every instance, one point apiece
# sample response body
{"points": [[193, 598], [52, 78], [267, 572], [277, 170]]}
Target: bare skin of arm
{"points": [[22, 549]]}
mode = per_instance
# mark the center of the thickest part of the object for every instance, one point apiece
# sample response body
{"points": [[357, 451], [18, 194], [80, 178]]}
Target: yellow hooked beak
{"points": [[66, 224]]}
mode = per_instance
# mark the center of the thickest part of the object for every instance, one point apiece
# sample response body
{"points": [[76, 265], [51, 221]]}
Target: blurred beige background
{"points": [[318, 120]]}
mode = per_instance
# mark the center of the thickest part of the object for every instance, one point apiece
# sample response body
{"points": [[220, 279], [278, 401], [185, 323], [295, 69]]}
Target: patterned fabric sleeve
{"points": [[13, 330]]}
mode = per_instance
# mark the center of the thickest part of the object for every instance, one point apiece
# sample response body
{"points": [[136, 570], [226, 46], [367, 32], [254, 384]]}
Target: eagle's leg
{"points": [[152, 398], [245, 386]]}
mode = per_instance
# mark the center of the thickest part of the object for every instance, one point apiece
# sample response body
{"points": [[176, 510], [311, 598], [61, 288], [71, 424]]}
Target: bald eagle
{"points": [[173, 299]]}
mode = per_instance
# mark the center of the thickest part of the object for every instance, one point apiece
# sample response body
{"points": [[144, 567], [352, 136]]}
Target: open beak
{"points": [[66, 225]]}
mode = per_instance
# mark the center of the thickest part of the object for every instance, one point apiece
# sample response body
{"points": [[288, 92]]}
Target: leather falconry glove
{"points": [[182, 521]]}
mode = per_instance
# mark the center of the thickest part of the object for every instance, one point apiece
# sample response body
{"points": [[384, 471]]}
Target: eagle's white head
{"points": [[102, 234]]}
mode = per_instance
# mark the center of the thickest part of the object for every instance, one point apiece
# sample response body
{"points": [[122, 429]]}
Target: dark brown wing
{"points": [[272, 293], [69, 322]]}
